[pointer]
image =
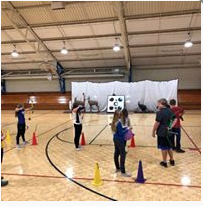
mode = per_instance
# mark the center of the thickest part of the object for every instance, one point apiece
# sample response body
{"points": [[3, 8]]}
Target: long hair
{"points": [[115, 119], [124, 116]]}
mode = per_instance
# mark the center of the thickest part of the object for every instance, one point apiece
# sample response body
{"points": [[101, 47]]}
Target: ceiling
{"points": [[151, 35]]}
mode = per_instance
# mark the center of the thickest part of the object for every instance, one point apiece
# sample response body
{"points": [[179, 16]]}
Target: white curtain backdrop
{"points": [[146, 92]]}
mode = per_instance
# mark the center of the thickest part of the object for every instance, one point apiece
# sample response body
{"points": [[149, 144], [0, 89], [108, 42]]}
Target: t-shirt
{"points": [[21, 116], [163, 116], [177, 111]]}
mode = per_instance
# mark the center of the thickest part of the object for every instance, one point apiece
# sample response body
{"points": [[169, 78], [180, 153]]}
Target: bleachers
{"points": [[188, 99], [42, 100]]}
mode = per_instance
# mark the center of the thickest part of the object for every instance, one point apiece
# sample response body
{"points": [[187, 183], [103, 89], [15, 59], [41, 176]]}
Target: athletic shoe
{"points": [[125, 174], [18, 146], [163, 164], [25, 142], [78, 149], [180, 151], [4, 182], [172, 162]]}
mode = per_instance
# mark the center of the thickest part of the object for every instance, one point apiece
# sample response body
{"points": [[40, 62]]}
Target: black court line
{"points": [[98, 134], [69, 178], [42, 133]]}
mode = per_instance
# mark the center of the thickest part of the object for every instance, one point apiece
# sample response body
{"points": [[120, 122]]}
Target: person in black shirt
{"points": [[77, 120], [161, 128]]}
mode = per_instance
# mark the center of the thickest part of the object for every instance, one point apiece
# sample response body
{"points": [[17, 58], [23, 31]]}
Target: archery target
{"points": [[115, 102]]}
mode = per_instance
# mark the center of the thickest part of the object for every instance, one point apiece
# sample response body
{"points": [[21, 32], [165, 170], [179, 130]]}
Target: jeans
{"points": [[78, 130], [178, 137], [119, 150]]}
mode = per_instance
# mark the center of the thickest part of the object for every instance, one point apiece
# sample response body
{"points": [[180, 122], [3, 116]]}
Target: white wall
{"points": [[32, 86], [188, 78]]}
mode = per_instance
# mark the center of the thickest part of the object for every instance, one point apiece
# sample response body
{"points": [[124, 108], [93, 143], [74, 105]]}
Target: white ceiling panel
{"points": [[143, 39], [106, 28], [76, 30], [47, 32], [83, 43], [142, 24], [175, 22]]}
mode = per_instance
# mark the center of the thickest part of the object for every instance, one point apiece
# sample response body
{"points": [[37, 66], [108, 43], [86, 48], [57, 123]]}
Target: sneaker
{"points": [[172, 162], [163, 164], [25, 142], [125, 174], [78, 149], [18, 146], [4, 182], [180, 151]]}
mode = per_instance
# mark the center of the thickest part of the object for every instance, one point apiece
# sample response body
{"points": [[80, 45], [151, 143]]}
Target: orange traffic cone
{"points": [[83, 139], [132, 143], [34, 139]]}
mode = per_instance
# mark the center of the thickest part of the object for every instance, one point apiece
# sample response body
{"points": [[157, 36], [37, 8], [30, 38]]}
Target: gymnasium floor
{"points": [[32, 176]]}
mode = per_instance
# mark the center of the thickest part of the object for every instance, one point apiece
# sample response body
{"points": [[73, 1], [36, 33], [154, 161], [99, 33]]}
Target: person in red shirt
{"points": [[178, 111]]}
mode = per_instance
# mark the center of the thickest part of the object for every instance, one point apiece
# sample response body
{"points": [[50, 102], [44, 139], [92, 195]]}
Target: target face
{"points": [[115, 102]]}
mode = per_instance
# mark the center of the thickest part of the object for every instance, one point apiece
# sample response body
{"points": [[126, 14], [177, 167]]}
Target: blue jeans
{"points": [[119, 150], [178, 137]]}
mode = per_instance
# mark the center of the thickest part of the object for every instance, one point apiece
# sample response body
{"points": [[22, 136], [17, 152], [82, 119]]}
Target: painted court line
{"points": [[42, 133], [107, 180]]}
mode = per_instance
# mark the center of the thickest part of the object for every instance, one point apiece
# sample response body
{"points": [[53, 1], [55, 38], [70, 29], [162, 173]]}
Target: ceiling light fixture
{"points": [[14, 53], [188, 43], [116, 46], [64, 50]]}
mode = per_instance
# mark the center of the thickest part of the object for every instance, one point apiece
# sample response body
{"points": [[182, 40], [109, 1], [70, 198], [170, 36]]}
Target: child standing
{"points": [[3, 181], [20, 114], [178, 111], [77, 120], [163, 117], [119, 143]]}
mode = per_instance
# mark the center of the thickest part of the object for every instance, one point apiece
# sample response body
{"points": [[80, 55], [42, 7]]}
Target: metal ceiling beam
{"points": [[110, 48], [111, 58], [103, 20], [124, 35], [13, 9], [106, 35]]}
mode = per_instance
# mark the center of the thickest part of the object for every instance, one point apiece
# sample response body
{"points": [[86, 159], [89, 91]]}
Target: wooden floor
{"points": [[32, 176]]}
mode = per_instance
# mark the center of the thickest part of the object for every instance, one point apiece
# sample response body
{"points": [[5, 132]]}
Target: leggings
{"points": [[78, 130], [2, 154], [21, 132]]}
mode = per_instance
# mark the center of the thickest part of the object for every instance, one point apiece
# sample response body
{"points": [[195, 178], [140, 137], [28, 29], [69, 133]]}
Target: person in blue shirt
{"points": [[20, 114], [119, 143]]}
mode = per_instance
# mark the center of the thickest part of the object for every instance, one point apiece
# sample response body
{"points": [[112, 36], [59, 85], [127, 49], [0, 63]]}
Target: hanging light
{"points": [[116, 46], [188, 43], [14, 53], [64, 50]]}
